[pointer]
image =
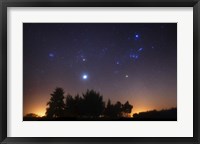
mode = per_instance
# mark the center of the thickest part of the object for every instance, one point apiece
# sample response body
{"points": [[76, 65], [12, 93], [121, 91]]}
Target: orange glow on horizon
{"points": [[139, 105], [40, 113], [140, 109]]}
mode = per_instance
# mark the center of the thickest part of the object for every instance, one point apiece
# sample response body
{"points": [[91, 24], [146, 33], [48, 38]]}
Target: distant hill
{"points": [[162, 115]]}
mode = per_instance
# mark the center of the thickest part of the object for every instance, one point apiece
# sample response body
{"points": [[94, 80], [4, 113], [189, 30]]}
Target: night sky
{"points": [[123, 61]]}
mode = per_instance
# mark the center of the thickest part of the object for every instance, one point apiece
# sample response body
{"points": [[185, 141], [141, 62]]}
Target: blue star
{"points": [[132, 55], [140, 49], [51, 55], [136, 36]]}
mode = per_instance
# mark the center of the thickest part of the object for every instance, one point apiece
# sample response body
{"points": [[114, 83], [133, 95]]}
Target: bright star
{"points": [[84, 59], [136, 36], [85, 77], [126, 76]]}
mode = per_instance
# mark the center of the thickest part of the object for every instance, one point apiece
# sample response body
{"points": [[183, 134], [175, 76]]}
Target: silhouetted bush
{"points": [[31, 116]]}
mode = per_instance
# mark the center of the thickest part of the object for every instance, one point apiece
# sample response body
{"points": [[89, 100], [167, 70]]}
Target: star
{"points": [[85, 76], [136, 36], [132, 55], [126, 76], [140, 49], [51, 55]]}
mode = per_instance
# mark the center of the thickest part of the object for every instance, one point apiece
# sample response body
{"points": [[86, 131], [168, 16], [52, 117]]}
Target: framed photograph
{"points": [[102, 72]]}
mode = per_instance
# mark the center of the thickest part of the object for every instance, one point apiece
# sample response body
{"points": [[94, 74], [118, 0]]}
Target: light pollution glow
{"points": [[139, 105]]}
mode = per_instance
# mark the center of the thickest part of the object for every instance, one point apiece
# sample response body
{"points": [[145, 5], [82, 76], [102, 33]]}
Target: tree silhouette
{"points": [[93, 105], [108, 109], [118, 110], [113, 111], [69, 107], [74, 106], [89, 105], [126, 109], [56, 104], [79, 107]]}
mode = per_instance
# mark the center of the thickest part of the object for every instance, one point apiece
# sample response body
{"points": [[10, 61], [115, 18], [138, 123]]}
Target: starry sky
{"points": [[123, 61]]}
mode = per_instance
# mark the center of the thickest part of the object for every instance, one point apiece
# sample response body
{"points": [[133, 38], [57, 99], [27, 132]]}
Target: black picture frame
{"points": [[99, 3]]}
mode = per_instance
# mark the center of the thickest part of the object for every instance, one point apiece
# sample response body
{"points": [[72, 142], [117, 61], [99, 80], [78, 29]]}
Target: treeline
{"points": [[89, 105], [165, 114]]}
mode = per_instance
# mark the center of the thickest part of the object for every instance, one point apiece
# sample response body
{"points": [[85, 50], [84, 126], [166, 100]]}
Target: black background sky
{"points": [[123, 61]]}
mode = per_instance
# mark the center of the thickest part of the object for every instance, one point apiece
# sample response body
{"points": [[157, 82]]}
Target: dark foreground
{"points": [[163, 115], [99, 119]]}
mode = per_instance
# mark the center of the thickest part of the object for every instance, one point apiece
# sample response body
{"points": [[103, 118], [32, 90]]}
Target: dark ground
{"points": [[163, 115]]}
